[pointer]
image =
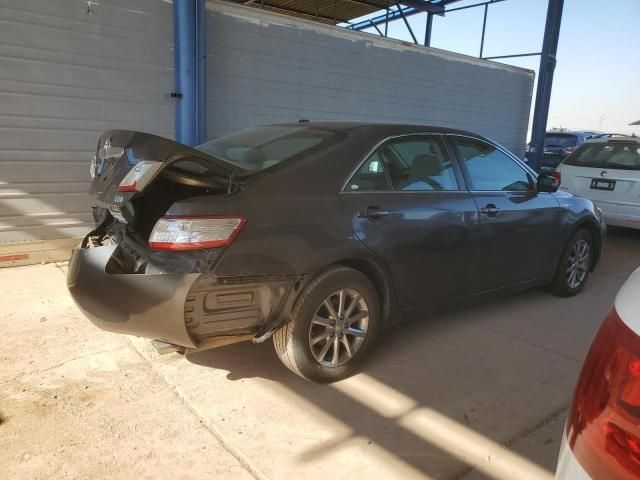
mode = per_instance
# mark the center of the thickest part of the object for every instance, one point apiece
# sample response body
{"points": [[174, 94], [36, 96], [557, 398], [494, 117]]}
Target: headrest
{"points": [[425, 166]]}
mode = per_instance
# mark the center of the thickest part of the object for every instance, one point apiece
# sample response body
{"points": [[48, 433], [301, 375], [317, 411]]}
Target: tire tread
{"points": [[559, 285], [283, 339]]}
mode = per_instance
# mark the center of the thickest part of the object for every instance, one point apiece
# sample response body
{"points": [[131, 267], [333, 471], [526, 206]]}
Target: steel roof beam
{"points": [[281, 8], [425, 6], [409, 11], [393, 15]]}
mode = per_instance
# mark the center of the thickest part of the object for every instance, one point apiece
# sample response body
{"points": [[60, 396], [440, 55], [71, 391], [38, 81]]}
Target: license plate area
{"points": [[115, 207], [117, 213], [603, 184]]}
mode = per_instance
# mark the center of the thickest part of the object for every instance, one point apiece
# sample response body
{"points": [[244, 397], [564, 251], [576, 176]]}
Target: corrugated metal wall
{"points": [[70, 69], [264, 68]]}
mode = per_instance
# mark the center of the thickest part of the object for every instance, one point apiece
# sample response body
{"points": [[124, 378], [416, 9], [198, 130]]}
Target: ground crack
{"points": [[53, 367], [215, 433], [519, 436]]}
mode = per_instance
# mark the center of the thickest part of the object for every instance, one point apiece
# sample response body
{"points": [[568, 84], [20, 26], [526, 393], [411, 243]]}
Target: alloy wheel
{"points": [[339, 327], [578, 264]]}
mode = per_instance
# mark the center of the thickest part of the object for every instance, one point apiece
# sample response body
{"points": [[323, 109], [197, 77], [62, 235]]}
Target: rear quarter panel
{"points": [[295, 222]]}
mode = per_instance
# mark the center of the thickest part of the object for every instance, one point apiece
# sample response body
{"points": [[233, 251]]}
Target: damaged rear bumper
{"points": [[185, 309]]}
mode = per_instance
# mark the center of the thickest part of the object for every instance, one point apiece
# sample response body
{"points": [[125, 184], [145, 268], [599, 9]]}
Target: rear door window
{"points": [[419, 163], [561, 140], [370, 177], [415, 163], [618, 155]]}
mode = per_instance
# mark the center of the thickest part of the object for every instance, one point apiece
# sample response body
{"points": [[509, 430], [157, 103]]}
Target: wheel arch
{"points": [[594, 230], [380, 279]]}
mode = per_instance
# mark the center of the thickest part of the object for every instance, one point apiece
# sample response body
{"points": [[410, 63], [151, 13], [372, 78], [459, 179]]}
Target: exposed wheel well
{"points": [[379, 280]]}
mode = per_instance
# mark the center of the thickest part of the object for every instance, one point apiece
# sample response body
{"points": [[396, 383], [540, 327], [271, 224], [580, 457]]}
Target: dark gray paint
{"points": [[433, 248]]}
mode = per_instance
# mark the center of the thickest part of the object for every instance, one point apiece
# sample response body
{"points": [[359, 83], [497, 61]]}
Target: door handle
{"points": [[373, 212], [490, 210]]}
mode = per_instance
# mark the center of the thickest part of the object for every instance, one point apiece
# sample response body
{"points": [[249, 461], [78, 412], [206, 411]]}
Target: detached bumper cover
{"points": [[145, 305], [177, 308]]}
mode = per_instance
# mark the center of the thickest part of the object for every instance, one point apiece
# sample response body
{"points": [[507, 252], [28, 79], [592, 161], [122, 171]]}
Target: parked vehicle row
{"points": [[602, 434], [607, 171], [318, 234], [558, 144]]}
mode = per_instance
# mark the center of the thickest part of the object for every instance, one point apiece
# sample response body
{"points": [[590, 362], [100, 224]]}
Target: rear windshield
{"points": [[560, 140], [623, 156], [262, 147]]}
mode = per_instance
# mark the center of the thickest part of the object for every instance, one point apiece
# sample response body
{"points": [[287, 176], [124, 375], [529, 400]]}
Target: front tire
{"points": [[575, 265], [333, 325]]}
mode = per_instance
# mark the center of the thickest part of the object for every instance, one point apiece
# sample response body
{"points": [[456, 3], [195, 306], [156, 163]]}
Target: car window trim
{"points": [[459, 176], [533, 176]]}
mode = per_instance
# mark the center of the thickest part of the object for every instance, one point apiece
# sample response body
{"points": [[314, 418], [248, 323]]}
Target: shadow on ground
{"points": [[502, 372]]}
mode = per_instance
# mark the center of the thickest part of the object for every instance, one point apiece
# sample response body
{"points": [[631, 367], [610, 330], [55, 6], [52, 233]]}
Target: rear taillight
{"points": [[192, 233], [603, 427], [557, 176], [568, 150], [139, 176]]}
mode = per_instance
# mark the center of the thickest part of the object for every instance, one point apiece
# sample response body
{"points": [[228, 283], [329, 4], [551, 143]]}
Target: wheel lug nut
{"points": [[333, 334], [333, 322]]}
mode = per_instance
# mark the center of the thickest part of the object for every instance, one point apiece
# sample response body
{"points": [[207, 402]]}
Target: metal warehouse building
{"points": [[70, 69]]}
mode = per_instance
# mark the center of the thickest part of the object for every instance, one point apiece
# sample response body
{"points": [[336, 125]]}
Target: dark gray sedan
{"points": [[318, 234]]}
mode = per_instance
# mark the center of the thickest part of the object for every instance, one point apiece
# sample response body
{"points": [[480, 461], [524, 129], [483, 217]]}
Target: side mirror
{"points": [[547, 184]]}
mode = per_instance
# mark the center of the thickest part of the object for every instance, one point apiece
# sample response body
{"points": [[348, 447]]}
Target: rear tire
{"points": [[575, 265], [333, 325]]}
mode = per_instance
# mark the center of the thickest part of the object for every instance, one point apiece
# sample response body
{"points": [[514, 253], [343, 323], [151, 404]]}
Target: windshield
{"points": [[560, 140], [623, 156], [262, 147]]}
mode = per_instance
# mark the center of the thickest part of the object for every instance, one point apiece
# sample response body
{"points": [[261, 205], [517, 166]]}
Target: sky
{"points": [[597, 78]]}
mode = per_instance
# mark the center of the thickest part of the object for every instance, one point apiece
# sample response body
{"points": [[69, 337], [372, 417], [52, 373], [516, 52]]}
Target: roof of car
{"points": [[573, 132], [340, 125], [614, 138]]}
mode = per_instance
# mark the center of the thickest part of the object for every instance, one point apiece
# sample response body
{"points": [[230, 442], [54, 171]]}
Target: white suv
{"points": [[606, 170]]}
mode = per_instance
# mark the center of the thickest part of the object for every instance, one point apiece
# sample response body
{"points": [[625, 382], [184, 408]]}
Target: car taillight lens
{"points": [[603, 428], [139, 176], [557, 176], [192, 233], [568, 150]]}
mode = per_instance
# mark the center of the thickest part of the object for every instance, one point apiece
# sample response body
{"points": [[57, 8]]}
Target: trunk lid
{"points": [[606, 171], [120, 150], [184, 171], [592, 183], [127, 217]]}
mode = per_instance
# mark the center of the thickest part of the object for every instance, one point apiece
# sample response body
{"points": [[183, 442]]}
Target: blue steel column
{"points": [[201, 110], [545, 82], [189, 50], [428, 28]]}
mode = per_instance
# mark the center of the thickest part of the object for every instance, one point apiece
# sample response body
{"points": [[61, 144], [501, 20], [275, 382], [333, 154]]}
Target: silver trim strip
{"points": [[412, 192]]}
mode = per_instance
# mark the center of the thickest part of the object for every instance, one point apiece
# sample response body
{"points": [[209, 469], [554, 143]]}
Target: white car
{"points": [[606, 170], [602, 434]]}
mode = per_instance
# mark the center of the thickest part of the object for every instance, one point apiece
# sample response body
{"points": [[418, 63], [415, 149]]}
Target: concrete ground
{"points": [[481, 392]]}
